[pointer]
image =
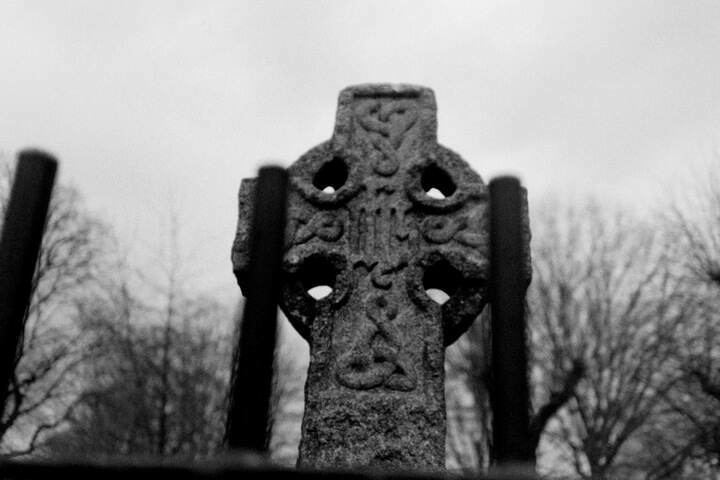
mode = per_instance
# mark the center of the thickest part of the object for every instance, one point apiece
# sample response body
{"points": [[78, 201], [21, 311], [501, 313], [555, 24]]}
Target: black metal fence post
{"points": [[19, 247], [510, 400], [251, 385]]}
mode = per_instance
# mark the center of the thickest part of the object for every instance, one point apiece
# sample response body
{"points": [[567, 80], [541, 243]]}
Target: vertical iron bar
{"points": [[510, 401], [251, 385], [19, 247]]}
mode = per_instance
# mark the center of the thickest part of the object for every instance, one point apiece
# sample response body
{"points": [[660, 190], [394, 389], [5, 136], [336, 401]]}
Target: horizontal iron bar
{"points": [[233, 467]]}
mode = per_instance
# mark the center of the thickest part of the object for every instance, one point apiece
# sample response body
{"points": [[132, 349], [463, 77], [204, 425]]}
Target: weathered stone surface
{"points": [[362, 222]]}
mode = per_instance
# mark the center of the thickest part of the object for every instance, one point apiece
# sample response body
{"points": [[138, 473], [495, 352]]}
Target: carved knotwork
{"points": [[386, 122], [376, 359]]}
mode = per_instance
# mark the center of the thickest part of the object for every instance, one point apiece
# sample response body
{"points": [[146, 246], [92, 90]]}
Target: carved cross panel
{"points": [[381, 213]]}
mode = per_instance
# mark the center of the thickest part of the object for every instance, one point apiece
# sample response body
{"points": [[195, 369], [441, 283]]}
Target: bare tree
{"points": [[468, 398], [467, 368], [694, 223], [41, 392], [603, 294], [156, 384], [287, 402], [690, 448]]}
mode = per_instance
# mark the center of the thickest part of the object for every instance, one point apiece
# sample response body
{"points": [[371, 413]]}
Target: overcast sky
{"points": [[157, 104]]}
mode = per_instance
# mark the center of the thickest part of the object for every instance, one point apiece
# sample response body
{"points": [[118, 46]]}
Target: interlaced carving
{"points": [[386, 122], [376, 357], [327, 226]]}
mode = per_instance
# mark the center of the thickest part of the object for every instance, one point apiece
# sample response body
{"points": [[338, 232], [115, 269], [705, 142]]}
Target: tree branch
{"points": [[557, 400]]}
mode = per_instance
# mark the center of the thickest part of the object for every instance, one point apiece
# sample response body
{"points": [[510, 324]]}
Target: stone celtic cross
{"points": [[380, 213]]}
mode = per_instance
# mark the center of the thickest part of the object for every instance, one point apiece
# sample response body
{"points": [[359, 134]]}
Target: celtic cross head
{"points": [[380, 215]]}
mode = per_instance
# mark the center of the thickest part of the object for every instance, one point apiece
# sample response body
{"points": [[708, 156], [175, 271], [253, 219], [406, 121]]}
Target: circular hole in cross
{"points": [[437, 295], [317, 275], [320, 292], [440, 281], [435, 193], [331, 176], [437, 183]]}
